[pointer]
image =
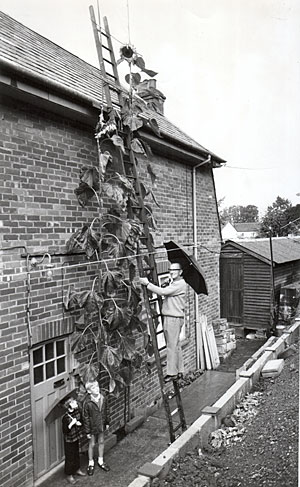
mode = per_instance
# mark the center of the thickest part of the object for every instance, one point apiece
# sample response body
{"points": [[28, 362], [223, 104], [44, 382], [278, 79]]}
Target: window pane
{"points": [[38, 356], [38, 374], [49, 351], [50, 370], [61, 365], [60, 348]]}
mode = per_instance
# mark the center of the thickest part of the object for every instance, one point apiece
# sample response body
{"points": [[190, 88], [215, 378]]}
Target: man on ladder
{"points": [[173, 317]]}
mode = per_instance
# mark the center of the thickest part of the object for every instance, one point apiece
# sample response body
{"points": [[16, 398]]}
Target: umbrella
{"points": [[57, 409], [192, 272]]}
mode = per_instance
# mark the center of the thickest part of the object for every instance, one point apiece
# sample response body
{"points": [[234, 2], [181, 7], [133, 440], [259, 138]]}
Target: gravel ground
{"points": [[262, 451]]}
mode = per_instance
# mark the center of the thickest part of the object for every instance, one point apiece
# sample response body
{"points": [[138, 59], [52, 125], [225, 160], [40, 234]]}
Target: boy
{"points": [[95, 421], [71, 426]]}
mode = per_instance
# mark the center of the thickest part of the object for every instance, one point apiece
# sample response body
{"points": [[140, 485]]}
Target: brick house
{"points": [[50, 102]]}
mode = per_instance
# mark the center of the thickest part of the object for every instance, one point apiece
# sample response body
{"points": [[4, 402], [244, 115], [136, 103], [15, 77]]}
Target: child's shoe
{"points": [[90, 470], [104, 466]]}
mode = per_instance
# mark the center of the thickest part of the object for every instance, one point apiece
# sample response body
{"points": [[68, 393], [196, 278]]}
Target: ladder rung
{"points": [[102, 32], [180, 425], [109, 62], [174, 412], [107, 48]]}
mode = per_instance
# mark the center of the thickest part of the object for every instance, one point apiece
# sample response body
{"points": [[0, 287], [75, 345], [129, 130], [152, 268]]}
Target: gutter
{"points": [[199, 360]]}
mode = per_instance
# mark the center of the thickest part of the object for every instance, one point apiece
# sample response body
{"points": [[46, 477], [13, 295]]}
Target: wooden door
{"points": [[50, 380], [232, 287]]}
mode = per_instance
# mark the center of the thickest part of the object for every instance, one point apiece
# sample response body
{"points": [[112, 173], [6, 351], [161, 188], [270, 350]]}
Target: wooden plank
{"points": [[212, 346], [203, 321], [199, 345]]}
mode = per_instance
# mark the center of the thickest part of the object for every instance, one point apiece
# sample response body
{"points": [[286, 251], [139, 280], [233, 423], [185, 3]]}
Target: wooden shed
{"points": [[246, 278]]}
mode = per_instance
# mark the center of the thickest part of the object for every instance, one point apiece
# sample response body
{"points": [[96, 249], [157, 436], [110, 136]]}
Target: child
{"points": [[95, 420], [71, 426]]}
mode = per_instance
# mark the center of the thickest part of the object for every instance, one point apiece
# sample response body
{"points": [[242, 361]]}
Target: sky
{"points": [[230, 71]]}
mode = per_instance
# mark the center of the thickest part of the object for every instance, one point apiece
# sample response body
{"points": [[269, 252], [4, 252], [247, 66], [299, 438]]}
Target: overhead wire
{"points": [[109, 260]]}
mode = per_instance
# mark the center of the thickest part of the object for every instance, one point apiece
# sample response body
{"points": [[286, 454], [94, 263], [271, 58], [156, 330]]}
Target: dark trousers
{"points": [[72, 461]]}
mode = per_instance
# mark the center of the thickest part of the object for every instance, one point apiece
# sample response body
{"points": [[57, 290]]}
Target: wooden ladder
{"points": [[128, 166]]}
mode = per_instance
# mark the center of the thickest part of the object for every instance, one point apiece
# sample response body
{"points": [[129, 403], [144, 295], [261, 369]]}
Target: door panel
{"points": [[50, 380], [232, 288]]}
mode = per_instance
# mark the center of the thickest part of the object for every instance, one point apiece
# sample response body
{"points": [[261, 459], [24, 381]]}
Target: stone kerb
{"points": [[226, 404], [254, 372]]}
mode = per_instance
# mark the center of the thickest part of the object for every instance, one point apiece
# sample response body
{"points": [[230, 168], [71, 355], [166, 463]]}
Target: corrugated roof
{"points": [[285, 249], [25, 49]]}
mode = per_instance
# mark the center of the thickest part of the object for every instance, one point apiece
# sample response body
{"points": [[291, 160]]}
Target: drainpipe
{"points": [[199, 347]]}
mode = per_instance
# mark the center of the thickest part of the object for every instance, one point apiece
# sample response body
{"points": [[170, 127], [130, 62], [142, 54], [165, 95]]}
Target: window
{"points": [[49, 360], [162, 279]]}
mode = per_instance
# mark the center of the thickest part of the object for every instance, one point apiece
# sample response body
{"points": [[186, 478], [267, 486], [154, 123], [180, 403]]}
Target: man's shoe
{"points": [[168, 378], [90, 470], [104, 467], [80, 473]]}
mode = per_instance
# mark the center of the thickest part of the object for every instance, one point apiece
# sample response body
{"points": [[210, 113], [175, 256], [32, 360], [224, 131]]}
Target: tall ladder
{"points": [[129, 167]]}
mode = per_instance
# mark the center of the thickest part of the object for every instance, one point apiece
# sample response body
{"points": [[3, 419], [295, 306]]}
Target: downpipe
{"points": [[199, 347]]}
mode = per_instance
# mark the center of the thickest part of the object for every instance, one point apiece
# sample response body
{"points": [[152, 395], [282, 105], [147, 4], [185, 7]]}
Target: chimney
{"points": [[154, 98]]}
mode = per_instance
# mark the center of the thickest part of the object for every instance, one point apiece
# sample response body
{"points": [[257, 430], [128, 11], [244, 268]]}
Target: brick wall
{"points": [[41, 156]]}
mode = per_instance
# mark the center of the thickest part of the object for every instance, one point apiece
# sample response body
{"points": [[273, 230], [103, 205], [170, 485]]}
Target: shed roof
{"points": [[28, 52], [285, 249]]}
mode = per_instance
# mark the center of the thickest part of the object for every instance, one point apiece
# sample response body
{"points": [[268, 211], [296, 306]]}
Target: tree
{"points": [[277, 218], [239, 214]]}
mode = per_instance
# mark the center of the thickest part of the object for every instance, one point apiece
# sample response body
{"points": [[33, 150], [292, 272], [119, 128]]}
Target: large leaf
{"points": [[137, 146], [118, 142], [132, 121], [110, 357], [137, 324], [90, 176], [116, 249], [87, 372], [70, 298], [104, 159], [125, 372], [154, 126], [85, 239], [150, 217], [150, 72], [78, 240], [78, 342], [91, 301], [124, 182], [116, 317], [116, 193], [127, 347], [133, 78], [111, 281], [151, 173], [139, 62], [84, 193]]}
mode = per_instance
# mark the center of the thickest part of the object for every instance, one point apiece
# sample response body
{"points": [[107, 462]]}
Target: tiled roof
{"points": [[285, 249], [26, 50], [246, 227]]}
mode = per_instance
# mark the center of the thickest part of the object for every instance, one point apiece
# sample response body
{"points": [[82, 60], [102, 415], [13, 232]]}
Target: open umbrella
{"points": [[192, 272], [57, 409]]}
